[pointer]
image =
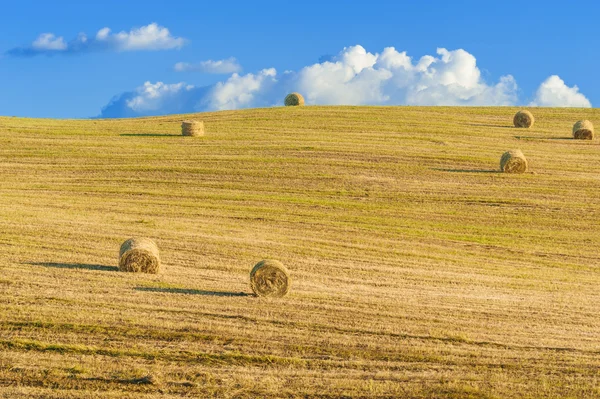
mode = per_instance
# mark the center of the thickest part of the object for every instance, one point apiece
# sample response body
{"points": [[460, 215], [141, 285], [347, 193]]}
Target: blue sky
{"points": [[497, 53]]}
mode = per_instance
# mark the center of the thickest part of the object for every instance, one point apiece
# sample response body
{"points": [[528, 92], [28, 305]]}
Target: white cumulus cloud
{"points": [[553, 92], [355, 77], [149, 37], [351, 79], [153, 96], [242, 91], [226, 66]]}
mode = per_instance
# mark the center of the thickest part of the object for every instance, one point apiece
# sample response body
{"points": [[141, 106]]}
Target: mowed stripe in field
{"points": [[419, 270]]}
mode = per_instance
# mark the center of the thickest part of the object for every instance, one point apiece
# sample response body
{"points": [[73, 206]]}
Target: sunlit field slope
{"points": [[419, 270]]}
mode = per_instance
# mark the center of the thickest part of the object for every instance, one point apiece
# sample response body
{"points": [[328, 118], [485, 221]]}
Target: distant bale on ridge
{"points": [[583, 130], [192, 128], [139, 254], [524, 119], [270, 278], [294, 99], [513, 161]]}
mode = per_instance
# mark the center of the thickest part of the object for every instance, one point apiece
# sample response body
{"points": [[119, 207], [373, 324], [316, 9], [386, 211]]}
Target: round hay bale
{"points": [[524, 119], [513, 161], [293, 99], [270, 278], [139, 255], [583, 130], [192, 128]]}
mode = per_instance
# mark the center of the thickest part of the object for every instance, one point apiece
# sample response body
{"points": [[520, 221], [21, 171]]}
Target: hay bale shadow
{"points": [[147, 380], [190, 291], [468, 170], [86, 266], [149, 135], [542, 138], [487, 125]]}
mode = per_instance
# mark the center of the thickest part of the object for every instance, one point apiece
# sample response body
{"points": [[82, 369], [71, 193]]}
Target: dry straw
{"points": [[192, 128], [270, 278], [523, 118], [139, 255], [583, 130], [293, 99], [513, 161]]}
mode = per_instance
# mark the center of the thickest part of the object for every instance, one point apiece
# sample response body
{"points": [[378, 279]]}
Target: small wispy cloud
{"points": [[229, 65], [48, 41], [151, 37]]}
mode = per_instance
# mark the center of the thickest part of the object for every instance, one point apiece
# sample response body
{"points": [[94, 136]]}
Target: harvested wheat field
{"points": [[419, 269]]}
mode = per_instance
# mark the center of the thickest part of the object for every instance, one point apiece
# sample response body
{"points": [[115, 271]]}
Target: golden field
{"points": [[419, 270]]}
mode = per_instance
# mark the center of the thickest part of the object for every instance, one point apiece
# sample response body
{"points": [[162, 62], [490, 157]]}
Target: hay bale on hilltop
{"points": [[192, 128], [294, 99], [513, 161], [270, 278], [139, 254], [524, 119], [583, 130]]}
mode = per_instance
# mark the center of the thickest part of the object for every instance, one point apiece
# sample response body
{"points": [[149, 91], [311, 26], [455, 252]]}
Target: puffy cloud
{"points": [[155, 99], [343, 83], [355, 76], [359, 77], [151, 97], [149, 37], [229, 65], [242, 91], [160, 98], [454, 79], [391, 59], [553, 92]]}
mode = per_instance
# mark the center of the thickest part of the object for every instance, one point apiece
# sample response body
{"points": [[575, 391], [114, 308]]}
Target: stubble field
{"points": [[419, 270]]}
